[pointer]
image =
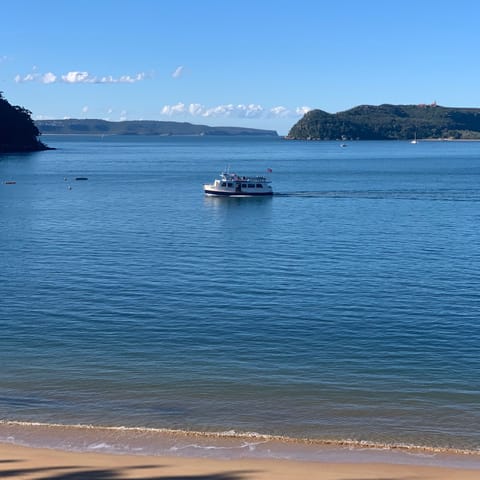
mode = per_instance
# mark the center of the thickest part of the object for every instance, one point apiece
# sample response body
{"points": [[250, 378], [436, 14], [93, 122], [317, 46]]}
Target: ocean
{"points": [[343, 313]]}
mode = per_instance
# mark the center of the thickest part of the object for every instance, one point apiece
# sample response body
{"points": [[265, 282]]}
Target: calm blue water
{"points": [[346, 307]]}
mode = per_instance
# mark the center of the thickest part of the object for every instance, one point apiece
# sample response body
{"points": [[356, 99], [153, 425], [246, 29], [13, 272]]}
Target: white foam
{"points": [[100, 446], [224, 444]]}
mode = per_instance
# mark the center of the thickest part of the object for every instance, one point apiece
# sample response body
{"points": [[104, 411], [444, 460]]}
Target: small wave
{"points": [[100, 446], [177, 434], [246, 445]]}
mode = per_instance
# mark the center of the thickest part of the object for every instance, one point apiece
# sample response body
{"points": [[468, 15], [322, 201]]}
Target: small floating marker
{"points": [[69, 187], [65, 179]]}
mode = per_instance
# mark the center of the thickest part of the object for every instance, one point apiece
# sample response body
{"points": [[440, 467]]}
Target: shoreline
{"points": [[281, 137], [227, 445], [19, 462]]}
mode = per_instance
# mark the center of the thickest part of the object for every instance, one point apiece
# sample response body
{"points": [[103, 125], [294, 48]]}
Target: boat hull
{"points": [[217, 193]]}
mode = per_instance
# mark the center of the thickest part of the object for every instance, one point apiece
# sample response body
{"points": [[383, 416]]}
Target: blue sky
{"points": [[253, 63]]}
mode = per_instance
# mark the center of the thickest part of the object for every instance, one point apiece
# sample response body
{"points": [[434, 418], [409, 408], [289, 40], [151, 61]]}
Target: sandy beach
{"points": [[17, 462]]}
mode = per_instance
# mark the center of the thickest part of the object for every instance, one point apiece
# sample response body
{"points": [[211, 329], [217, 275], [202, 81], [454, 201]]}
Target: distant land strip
{"points": [[141, 127], [389, 122]]}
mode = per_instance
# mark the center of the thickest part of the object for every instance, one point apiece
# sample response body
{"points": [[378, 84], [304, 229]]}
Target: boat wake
{"points": [[438, 195]]}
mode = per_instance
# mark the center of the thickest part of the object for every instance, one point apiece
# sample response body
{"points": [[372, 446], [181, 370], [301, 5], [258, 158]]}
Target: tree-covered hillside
{"points": [[18, 133], [389, 122], [140, 127]]}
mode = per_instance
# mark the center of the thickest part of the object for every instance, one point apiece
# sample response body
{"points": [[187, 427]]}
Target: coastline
{"points": [[26, 463], [227, 445]]}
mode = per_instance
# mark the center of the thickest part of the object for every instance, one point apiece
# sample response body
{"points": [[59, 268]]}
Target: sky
{"points": [[251, 63]]}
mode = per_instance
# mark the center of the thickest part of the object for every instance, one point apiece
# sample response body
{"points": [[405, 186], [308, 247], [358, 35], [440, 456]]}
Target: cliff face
{"points": [[18, 133], [389, 122]]}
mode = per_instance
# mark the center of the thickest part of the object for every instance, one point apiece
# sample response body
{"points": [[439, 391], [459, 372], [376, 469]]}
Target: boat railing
{"points": [[233, 177]]}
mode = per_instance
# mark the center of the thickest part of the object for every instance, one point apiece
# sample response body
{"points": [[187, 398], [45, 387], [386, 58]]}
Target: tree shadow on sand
{"points": [[80, 473]]}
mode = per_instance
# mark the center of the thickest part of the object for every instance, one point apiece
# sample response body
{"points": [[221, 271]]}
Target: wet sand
{"points": [[25, 463]]}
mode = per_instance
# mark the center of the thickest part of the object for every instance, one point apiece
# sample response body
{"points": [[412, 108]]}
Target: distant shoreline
{"points": [[420, 140], [283, 137], [143, 127], [148, 135], [448, 140]]}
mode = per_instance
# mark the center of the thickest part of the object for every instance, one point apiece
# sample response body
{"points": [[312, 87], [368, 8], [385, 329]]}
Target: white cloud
{"points": [[27, 78], [178, 71], [283, 112], [85, 77], [77, 77], [231, 110], [36, 77], [128, 79], [219, 111], [279, 112], [49, 78], [170, 110], [85, 109], [302, 110], [195, 109], [251, 110]]}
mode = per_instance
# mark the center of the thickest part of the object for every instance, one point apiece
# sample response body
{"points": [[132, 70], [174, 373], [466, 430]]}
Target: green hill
{"points": [[389, 122], [140, 127], [18, 133]]}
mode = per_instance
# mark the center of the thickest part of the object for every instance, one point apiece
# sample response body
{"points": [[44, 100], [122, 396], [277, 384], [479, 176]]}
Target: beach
{"points": [[18, 462]]}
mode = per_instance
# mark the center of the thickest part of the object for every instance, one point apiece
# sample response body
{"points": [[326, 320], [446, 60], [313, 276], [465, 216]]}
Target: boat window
{"points": [[251, 185], [224, 184], [229, 184], [244, 185], [259, 185]]}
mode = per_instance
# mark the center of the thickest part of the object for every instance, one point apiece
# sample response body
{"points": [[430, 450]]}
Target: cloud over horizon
{"points": [[232, 111]]}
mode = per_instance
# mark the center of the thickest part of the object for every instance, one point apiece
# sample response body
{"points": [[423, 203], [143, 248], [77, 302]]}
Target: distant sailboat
{"points": [[414, 141]]}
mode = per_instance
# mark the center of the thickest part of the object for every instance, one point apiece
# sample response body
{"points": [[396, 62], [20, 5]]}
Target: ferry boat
{"points": [[233, 185]]}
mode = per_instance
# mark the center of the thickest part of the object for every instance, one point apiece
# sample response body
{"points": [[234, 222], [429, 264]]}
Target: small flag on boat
{"points": [[269, 170]]}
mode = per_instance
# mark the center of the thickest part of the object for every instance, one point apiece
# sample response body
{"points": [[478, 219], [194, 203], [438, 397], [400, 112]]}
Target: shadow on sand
{"points": [[123, 473]]}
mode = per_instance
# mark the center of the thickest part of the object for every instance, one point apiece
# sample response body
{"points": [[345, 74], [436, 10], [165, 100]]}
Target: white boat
{"points": [[233, 185], [414, 141]]}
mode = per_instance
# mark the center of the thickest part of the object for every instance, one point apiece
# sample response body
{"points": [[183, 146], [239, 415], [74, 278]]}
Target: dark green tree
{"points": [[18, 132]]}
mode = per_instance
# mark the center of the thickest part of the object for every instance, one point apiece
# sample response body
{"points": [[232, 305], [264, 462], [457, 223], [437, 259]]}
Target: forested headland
{"points": [[18, 132], [389, 122]]}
